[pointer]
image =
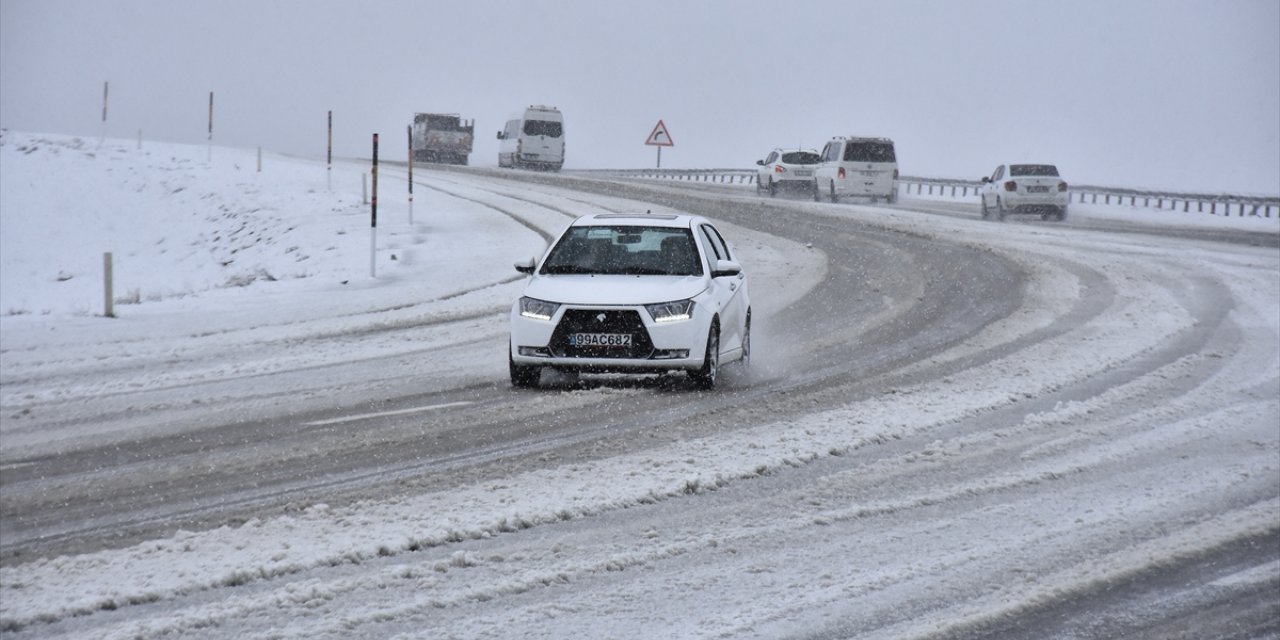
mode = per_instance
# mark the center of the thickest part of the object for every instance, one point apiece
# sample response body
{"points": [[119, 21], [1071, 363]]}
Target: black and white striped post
{"points": [[328, 156], [373, 215], [410, 131], [210, 158]]}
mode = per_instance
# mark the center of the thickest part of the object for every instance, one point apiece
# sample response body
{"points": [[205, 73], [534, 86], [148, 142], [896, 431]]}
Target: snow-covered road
{"points": [[955, 428]]}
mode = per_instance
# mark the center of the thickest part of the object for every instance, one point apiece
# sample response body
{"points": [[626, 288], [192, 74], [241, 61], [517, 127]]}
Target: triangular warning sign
{"points": [[660, 136]]}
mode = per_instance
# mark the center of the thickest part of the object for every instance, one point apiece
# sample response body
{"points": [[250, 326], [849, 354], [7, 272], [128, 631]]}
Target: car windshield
{"points": [[801, 157], [1033, 170], [542, 128], [624, 250], [869, 152]]}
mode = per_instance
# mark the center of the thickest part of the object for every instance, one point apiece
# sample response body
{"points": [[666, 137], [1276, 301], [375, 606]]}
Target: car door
{"points": [[989, 189], [765, 172], [729, 292]]}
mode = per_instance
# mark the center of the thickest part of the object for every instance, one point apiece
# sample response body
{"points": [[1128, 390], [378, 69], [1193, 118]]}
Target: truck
{"points": [[442, 137]]}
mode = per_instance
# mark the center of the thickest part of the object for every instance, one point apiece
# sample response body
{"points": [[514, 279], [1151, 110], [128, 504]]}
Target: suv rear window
{"points": [[869, 152], [1032, 170], [542, 128], [801, 157]]}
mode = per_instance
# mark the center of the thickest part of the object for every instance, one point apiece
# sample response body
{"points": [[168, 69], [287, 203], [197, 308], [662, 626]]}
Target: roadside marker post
{"points": [[409, 129], [328, 161], [373, 215]]}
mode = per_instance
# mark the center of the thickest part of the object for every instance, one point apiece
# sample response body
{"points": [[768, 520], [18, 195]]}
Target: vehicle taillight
{"points": [[1010, 186], [840, 174], [1062, 186], [779, 169]]}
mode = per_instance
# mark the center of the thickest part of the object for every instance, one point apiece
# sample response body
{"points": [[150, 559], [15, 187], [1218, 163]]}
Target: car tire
{"points": [[522, 376], [986, 213], [705, 377], [745, 362], [759, 188], [773, 188], [834, 198], [1000, 210], [817, 191], [1062, 214]]}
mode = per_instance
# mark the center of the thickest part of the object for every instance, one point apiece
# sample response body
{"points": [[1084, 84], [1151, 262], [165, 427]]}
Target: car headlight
{"points": [[538, 309], [670, 311]]}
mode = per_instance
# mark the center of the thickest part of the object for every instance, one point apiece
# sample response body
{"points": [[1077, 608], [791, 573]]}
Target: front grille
{"points": [[591, 321]]}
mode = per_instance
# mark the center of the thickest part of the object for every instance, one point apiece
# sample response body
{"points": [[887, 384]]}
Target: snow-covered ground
{"points": [[223, 270]]}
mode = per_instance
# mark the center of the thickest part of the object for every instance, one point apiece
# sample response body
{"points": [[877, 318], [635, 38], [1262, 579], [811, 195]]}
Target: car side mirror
{"points": [[724, 268], [760, 162], [986, 179], [499, 135], [526, 266]]}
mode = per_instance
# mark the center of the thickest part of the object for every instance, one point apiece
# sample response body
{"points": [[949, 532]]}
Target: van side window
{"points": [[513, 129]]}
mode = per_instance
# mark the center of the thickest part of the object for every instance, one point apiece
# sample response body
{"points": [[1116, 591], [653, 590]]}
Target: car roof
{"points": [[674, 220]]}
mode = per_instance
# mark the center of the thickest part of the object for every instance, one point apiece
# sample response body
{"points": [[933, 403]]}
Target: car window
{"points": [[801, 157], [624, 250], [542, 128], [716, 243], [773, 155], [513, 129], [1033, 170], [869, 152], [998, 174], [831, 152]]}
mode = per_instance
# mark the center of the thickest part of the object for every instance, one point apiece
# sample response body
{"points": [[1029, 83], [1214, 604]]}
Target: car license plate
{"points": [[1037, 189], [804, 173], [871, 173], [600, 339]]}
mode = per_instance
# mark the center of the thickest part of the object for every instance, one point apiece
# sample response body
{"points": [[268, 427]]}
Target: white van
{"points": [[534, 139], [866, 167]]}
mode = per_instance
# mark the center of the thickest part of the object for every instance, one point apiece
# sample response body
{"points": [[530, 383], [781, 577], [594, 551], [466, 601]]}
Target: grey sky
{"points": [[1181, 95]]}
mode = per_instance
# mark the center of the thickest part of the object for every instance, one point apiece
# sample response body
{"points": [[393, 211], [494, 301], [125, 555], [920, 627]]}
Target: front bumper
{"points": [[656, 346]]}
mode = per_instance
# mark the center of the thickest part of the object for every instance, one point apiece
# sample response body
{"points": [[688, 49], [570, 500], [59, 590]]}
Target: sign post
{"points": [[660, 138], [328, 156], [104, 114]]}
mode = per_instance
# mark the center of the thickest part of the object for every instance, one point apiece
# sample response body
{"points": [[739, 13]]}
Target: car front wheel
{"points": [[522, 376], [705, 377], [1000, 210], [834, 197], [986, 213]]}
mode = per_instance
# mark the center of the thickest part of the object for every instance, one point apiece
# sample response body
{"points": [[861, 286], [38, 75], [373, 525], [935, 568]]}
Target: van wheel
{"points": [[834, 197]]}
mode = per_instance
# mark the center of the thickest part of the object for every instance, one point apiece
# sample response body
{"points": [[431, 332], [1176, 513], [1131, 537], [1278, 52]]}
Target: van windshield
{"points": [[542, 128], [869, 152]]}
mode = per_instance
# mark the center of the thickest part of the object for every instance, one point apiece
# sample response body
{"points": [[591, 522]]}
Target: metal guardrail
{"points": [[1212, 203]]}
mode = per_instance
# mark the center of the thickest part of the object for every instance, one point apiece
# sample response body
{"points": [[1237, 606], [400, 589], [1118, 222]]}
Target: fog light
{"points": [[535, 352], [670, 354]]}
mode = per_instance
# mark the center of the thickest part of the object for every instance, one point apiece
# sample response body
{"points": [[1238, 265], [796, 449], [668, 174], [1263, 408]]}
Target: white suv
{"points": [[786, 168], [632, 293], [866, 167]]}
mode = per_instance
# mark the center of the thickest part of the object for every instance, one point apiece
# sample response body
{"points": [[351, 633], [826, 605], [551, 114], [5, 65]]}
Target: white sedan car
{"points": [[1024, 188], [632, 293]]}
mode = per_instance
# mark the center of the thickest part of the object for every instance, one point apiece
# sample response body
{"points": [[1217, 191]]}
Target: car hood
{"points": [[613, 290]]}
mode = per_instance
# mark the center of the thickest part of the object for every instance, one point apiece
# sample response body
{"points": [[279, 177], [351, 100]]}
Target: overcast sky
{"points": [[1173, 94]]}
